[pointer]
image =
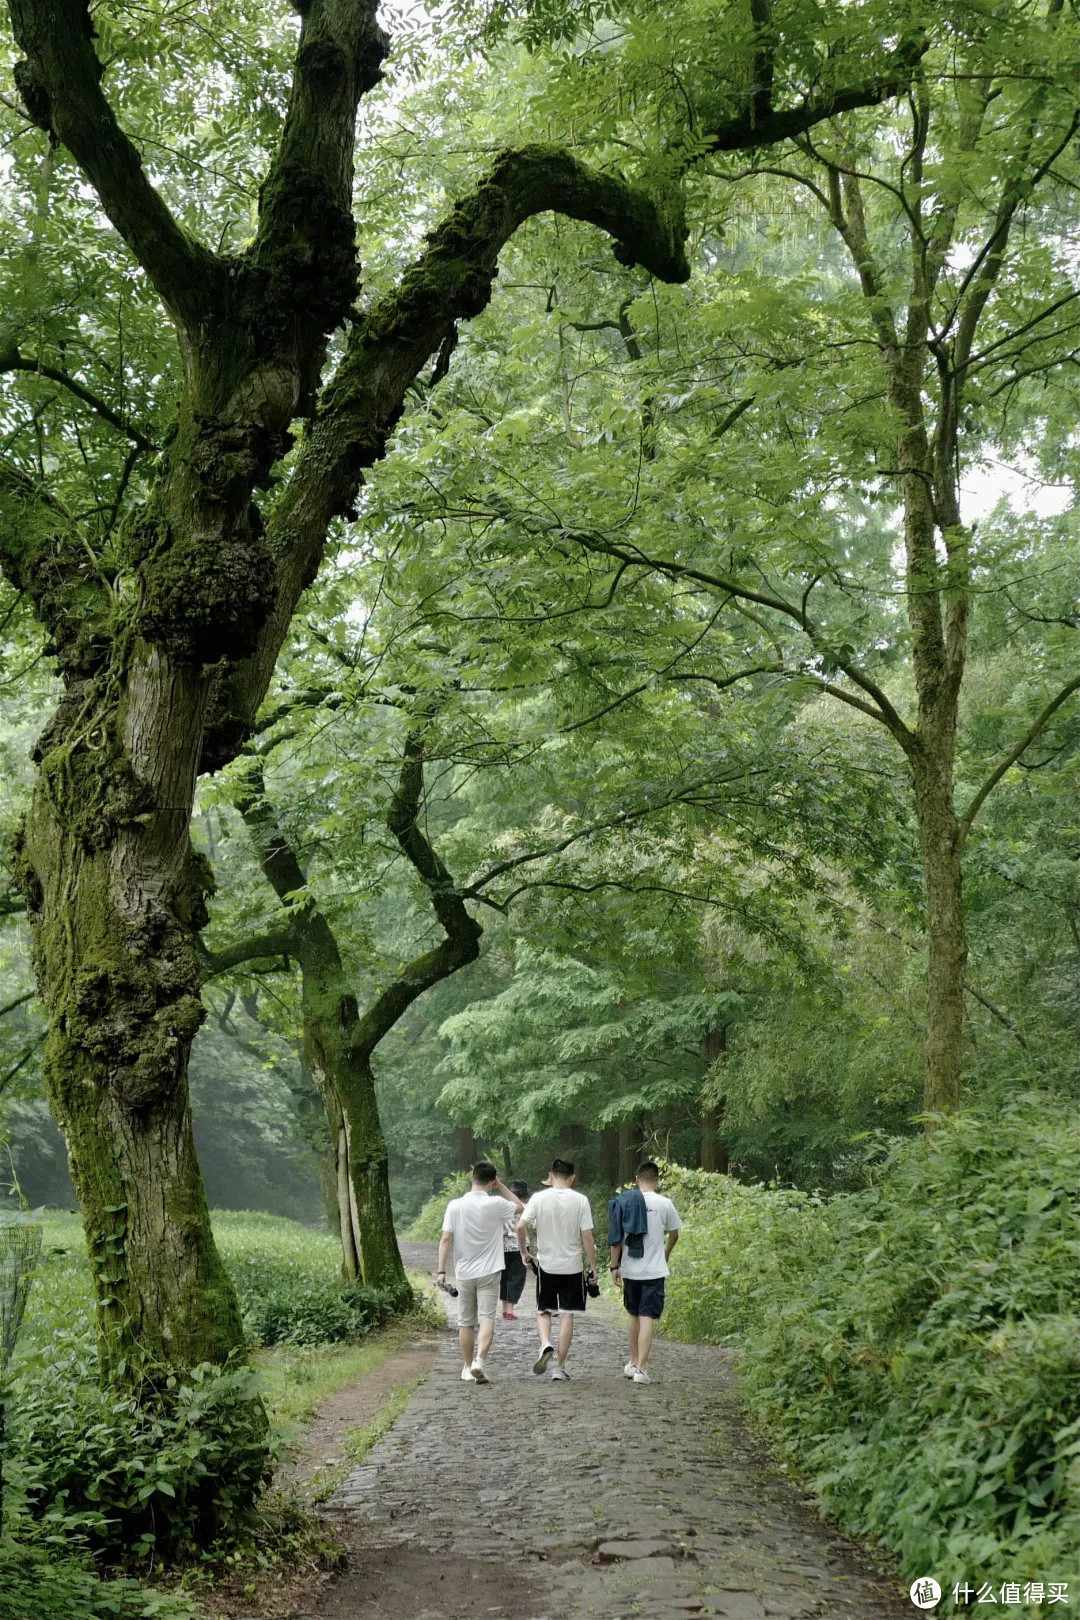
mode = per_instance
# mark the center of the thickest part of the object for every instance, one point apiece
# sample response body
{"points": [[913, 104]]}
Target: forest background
{"points": [[674, 746]]}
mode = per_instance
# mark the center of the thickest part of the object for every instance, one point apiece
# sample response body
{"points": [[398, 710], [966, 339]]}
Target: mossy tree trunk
{"points": [[339, 1040], [167, 651]]}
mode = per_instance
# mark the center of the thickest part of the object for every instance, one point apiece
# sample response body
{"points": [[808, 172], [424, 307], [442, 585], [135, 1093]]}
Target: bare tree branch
{"points": [[461, 944]]}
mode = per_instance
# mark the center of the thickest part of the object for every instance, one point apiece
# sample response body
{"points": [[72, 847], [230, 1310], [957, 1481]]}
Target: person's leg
{"points": [[466, 1303], [546, 1301], [633, 1327], [566, 1334], [514, 1276], [487, 1303], [646, 1329]]}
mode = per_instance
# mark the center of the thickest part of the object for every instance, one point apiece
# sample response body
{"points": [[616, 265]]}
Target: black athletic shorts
{"points": [[558, 1291], [644, 1296]]}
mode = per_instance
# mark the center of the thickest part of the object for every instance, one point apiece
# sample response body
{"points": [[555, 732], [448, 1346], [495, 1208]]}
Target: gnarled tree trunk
{"points": [[115, 894]]}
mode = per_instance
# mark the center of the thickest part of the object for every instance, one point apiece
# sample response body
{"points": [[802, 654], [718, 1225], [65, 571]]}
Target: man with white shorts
{"points": [[474, 1224], [562, 1221]]}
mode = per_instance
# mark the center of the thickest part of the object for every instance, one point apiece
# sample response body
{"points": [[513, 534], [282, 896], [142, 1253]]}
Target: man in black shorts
{"points": [[643, 1276], [562, 1221]]}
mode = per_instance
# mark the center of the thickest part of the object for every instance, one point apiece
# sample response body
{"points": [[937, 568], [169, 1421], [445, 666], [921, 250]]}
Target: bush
{"points": [[742, 1250], [914, 1348], [38, 1585], [123, 1475], [288, 1283], [427, 1227], [166, 1476]]}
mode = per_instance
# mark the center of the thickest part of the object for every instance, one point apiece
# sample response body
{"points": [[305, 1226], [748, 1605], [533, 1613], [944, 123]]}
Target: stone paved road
{"points": [[596, 1499]]}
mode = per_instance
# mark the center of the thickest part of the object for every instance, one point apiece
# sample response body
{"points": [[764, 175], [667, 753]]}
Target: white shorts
{"points": [[478, 1299]]}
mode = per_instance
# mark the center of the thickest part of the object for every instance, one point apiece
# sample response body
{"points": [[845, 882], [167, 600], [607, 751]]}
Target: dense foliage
{"points": [[171, 1476], [914, 1347]]}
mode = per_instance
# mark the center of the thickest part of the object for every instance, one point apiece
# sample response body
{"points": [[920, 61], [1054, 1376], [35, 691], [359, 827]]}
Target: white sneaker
{"points": [[630, 1369], [560, 1375], [478, 1374], [641, 1376], [466, 1375], [543, 1360]]}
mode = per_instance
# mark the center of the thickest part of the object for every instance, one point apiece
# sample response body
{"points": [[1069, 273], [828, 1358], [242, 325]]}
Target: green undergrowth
{"points": [[296, 1379], [913, 1348], [94, 1478]]}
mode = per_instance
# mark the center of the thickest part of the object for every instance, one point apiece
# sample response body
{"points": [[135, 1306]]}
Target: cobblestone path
{"points": [[594, 1498]]}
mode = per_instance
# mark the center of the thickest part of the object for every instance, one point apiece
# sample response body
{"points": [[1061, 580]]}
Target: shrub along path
{"points": [[593, 1498]]}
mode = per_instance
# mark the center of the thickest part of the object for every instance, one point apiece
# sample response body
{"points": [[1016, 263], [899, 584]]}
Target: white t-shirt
{"points": [[559, 1215], [476, 1220], [663, 1217]]}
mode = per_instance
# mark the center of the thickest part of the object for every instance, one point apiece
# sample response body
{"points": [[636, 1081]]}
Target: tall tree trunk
{"points": [[466, 1147], [629, 1142], [714, 1151], [939, 838], [609, 1156], [340, 1066]]}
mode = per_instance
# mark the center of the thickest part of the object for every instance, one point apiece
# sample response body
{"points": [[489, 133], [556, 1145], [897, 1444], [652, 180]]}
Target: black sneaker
{"points": [[541, 1363]]}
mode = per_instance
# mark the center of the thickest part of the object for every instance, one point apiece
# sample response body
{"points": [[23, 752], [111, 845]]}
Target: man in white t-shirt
{"points": [[474, 1224], [563, 1223], [643, 1275]]}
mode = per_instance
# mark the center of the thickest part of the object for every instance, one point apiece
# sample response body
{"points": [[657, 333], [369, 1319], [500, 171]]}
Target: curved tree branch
{"points": [[275, 942], [762, 125], [13, 360], [60, 84], [1012, 756], [388, 349], [461, 944]]}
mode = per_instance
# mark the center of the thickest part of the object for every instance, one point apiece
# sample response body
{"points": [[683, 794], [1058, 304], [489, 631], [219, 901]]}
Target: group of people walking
{"points": [[490, 1229]]}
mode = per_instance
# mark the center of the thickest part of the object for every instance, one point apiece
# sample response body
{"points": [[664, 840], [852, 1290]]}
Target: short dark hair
{"points": [[562, 1167], [648, 1171], [521, 1188], [485, 1173]]}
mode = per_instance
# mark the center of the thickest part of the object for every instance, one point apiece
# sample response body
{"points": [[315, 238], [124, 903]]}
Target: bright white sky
{"points": [[982, 487]]}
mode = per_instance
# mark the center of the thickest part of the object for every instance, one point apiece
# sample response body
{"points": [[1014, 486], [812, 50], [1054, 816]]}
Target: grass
{"points": [[298, 1378], [356, 1443], [271, 1260]]}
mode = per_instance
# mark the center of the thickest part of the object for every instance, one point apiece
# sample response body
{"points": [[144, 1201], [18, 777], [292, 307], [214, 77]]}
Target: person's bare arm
{"points": [[523, 1241], [505, 1192], [614, 1257], [669, 1243], [444, 1249], [590, 1249]]}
